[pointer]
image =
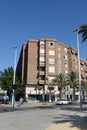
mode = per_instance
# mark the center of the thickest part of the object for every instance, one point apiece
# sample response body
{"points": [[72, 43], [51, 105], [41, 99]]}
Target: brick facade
{"points": [[40, 60]]}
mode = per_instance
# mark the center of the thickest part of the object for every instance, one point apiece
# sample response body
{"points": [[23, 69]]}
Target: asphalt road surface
{"points": [[37, 116]]}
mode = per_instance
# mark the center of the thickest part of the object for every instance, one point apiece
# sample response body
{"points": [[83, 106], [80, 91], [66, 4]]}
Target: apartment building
{"points": [[40, 60]]}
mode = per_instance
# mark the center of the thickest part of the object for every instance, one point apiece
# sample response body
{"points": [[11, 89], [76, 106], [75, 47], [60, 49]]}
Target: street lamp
{"points": [[79, 69], [13, 98]]}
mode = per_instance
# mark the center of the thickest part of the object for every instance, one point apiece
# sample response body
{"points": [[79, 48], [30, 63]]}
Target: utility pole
{"points": [[13, 97], [79, 69]]}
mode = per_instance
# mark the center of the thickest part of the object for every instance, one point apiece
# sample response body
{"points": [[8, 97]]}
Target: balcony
{"points": [[41, 81], [41, 72], [41, 64]]}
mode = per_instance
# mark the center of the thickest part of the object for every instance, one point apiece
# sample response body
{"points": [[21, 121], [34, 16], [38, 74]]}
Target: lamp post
{"points": [[13, 98], [43, 96], [79, 69]]}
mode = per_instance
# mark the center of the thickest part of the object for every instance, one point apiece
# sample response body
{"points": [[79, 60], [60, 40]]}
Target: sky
{"points": [[21, 20]]}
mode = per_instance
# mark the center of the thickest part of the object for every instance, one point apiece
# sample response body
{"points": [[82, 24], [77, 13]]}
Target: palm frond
{"points": [[72, 79], [83, 32]]}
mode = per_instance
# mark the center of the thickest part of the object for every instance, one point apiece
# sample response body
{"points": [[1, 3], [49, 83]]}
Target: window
{"points": [[65, 57], [51, 44], [59, 70], [42, 43], [51, 69], [41, 77], [59, 48], [42, 50], [51, 61], [51, 52], [65, 50], [66, 72], [42, 59], [75, 59], [50, 78], [76, 67], [59, 55], [66, 65], [59, 62], [41, 68]]}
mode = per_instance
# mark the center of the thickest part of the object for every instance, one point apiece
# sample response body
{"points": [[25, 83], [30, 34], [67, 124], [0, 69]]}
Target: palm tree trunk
{"points": [[60, 95], [83, 93], [73, 93]]}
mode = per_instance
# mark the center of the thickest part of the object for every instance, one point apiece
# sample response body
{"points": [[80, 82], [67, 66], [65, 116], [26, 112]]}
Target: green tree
{"points": [[83, 32], [20, 92], [60, 81], [6, 79], [72, 79]]}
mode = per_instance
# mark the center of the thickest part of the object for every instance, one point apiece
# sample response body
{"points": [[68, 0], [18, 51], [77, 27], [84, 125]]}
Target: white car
{"points": [[62, 101]]}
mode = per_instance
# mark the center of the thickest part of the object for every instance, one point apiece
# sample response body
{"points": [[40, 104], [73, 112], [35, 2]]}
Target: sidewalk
{"points": [[77, 121], [69, 126], [8, 107]]}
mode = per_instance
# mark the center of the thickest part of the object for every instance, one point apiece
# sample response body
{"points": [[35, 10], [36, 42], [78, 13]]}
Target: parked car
{"points": [[84, 101], [4, 99], [1, 99], [70, 101], [62, 101]]}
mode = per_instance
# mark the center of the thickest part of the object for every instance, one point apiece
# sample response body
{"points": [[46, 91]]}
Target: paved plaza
{"points": [[39, 116]]}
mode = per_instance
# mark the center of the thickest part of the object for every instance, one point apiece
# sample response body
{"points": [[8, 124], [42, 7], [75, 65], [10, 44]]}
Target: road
{"points": [[36, 116]]}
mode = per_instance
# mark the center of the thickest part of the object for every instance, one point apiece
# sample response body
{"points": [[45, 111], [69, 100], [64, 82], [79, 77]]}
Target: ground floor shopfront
{"points": [[49, 95]]}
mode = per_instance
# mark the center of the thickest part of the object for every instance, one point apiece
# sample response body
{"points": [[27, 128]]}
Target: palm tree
{"points": [[83, 30], [60, 81], [72, 79]]}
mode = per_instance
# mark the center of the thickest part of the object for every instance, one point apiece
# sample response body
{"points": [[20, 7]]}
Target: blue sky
{"points": [[21, 20]]}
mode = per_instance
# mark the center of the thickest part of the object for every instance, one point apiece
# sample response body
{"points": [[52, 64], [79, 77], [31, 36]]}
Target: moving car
{"points": [[62, 101]]}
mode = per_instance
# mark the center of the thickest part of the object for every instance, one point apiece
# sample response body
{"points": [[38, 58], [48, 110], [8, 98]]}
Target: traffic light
{"points": [[14, 86]]}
